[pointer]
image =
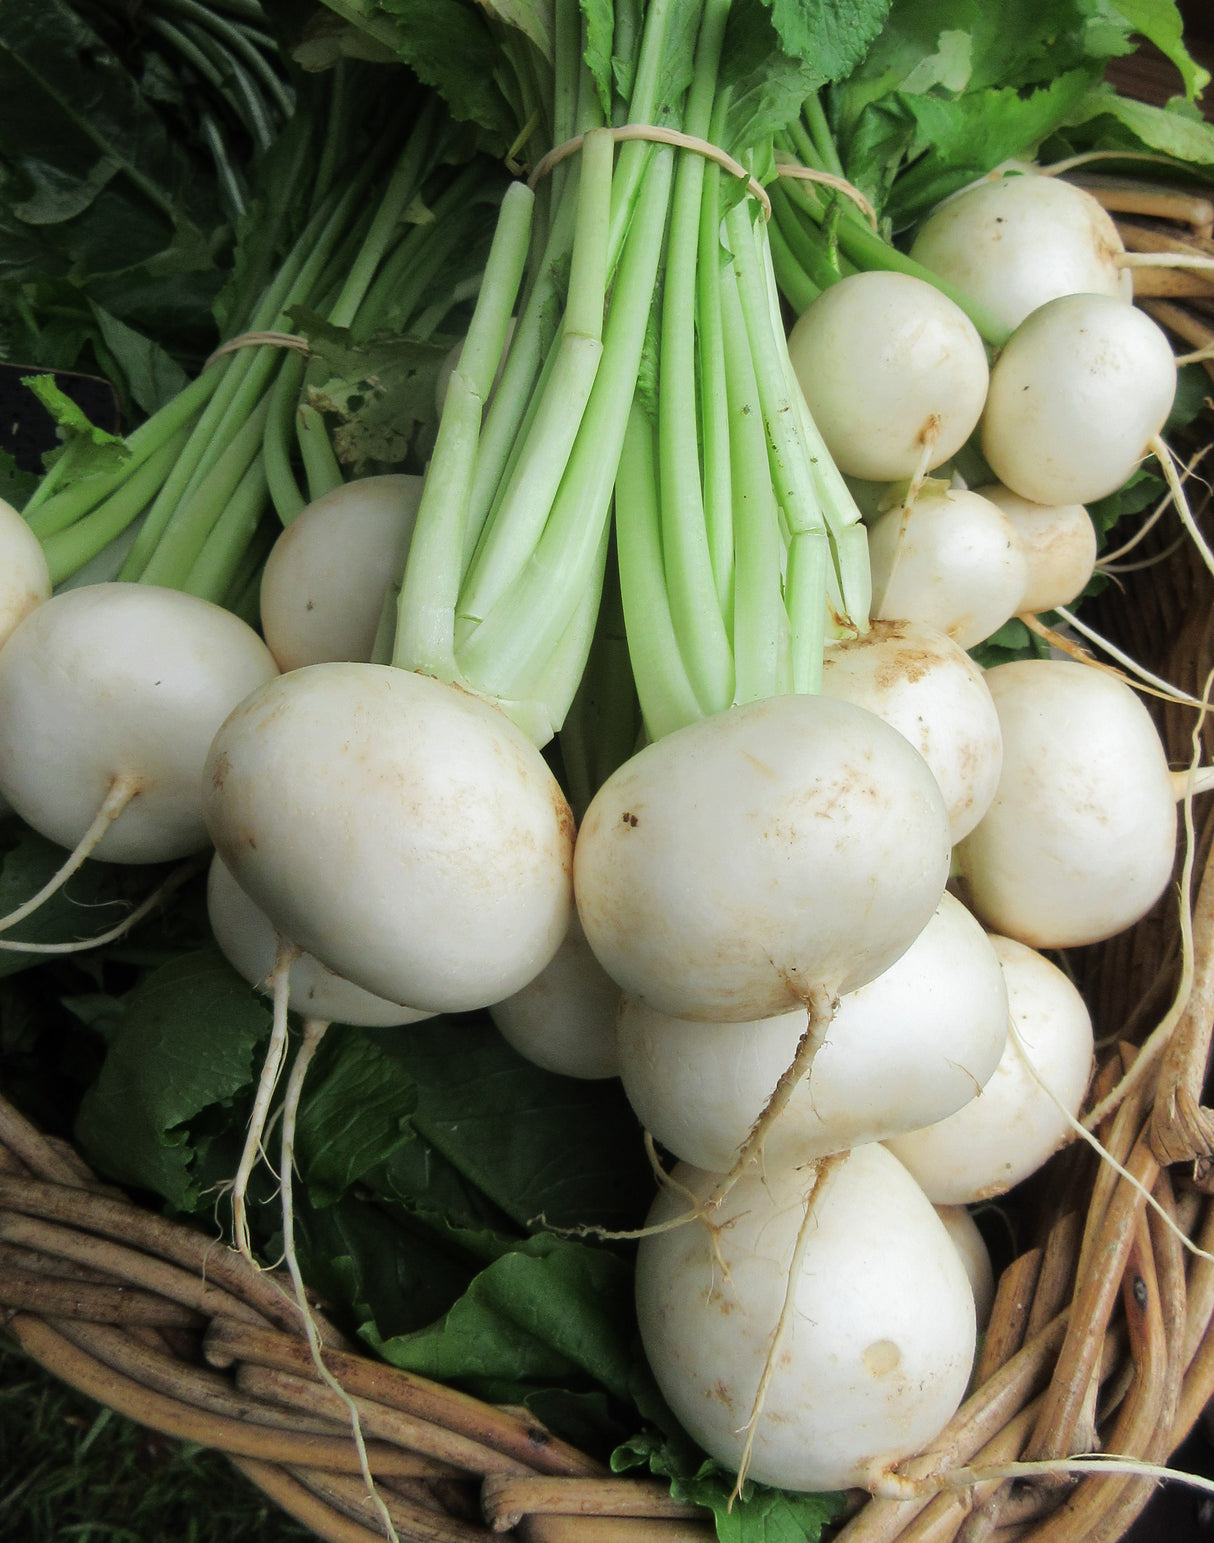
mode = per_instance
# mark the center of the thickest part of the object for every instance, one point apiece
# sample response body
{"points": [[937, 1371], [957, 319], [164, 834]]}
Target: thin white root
{"points": [[121, 791], [896, 1486], [1132, 672], [1103, 1152], [823, 1169], [271, 1071], [1167, 462], [821, 1006], [313, 1032], [1057, 168], [1160, 509], [1163, 260], [161, 893]]}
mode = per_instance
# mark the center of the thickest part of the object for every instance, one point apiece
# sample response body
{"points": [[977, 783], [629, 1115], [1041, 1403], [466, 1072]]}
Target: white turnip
{"points": [[894, 372], [1079, 840], [114, 692], [403, 831], [924, 1035], [792, 846], [1008, 1130], [929, 689], [871, 1359], [328, 575]]}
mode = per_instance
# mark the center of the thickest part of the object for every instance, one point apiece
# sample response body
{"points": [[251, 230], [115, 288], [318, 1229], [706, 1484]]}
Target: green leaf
{"points": [[16, 485], [381, 392], [962, 139], [69, 416], [1161, 23], [545, 1149], [759, 1514], [388, 1272], [600, 32], [355, 1114], [190, 1037], [533, 18], [551, 1310], [1173, 130], [153, 377], [450, 48]]}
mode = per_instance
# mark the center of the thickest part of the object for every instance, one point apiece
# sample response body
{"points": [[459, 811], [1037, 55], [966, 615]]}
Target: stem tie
{"points": [[830, 180], [661, 136], [255, 340]]}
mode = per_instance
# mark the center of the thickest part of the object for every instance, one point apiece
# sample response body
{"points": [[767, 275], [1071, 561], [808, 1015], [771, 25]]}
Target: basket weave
{"points": [[1100, 1337]]}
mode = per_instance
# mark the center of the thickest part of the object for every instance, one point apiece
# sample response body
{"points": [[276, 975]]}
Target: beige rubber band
{"points": [[660, 136], [255, 339], [830, 180]]}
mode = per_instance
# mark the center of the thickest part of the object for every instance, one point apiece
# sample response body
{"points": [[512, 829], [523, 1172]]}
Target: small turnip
{"points": [[737, 866], [564, 1019], [248, 941], [1080, 838], [1059, 545], [894, 372], [1018, 239], [1013, 1125], [1080, 392], [952, 561], [929, 689], [403, 831], [923, 1036], [874, 1355], [121, 685], [327, 576], [25, 579]]}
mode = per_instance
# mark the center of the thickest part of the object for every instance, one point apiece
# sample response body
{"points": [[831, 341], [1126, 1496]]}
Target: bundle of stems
{"points": [[647, 372], [198, 491]]}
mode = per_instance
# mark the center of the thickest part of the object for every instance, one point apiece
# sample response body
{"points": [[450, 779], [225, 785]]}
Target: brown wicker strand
{"points": [[506, 1500], [420, 1522], [203, 1258], [1182, 1131], [195, 1386], [500, 1430], [377, 1420], [306, 1507], [1090, 1312], [172, 1418]]}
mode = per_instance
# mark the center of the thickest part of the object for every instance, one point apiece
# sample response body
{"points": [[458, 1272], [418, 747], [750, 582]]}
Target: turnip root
{"points": [[871, 1357], [113, 692], [894, 373], [1081, 390], [25, 579], [326, 579], [1012, 1126], [564, 1019], [401, 830], [952, 560], [1016, 240], [791, 846], [929, 689], [1080, 838], [1059, 545], [925, 1034]]}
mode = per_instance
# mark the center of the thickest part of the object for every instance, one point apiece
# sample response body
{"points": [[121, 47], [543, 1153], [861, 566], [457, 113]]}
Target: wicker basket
{"points": [[1100, 1337]]}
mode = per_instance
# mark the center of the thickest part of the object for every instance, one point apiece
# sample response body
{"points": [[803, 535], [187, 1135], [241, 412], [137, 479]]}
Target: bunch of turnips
{"points": [[647, 718]]}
